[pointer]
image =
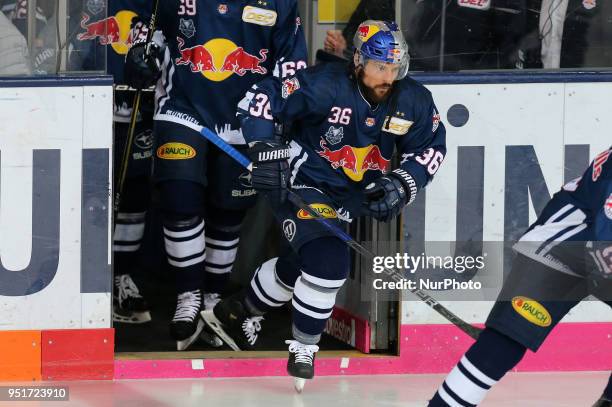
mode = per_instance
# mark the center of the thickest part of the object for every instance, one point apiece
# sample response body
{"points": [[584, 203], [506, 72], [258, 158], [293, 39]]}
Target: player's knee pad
{"points": [[136, 194], [325, 262], [183, 198], [288, 269], [129, 231], [184, 239], [267, 286]]}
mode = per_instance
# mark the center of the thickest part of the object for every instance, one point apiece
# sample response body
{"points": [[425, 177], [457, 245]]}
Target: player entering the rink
{"points": [[346, 122]]}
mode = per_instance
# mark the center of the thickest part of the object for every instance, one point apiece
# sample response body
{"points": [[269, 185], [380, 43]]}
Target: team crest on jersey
{"points": [[222, 9], [477, 4], [589, 4], [259, 16], [598, 163], [187, 27], [95, 6], [608, 207], [334, 135], [370, 121], [397, 126], [290, 86]]}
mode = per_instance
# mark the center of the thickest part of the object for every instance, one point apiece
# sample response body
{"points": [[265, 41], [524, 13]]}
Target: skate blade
{"points": [[298, 384], [211, 339], [185, 343], [134, 318], [215, 325]]}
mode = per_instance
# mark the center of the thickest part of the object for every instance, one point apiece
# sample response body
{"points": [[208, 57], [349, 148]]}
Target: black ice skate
{"points": [[602, 402], [128, 305], [301, 362], [208, 335], [186, 324], [233, 324]]}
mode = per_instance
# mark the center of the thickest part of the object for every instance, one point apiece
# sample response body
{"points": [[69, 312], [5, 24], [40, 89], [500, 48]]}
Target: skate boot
{"points": [[186, 324], [233, 324], [301, 362], [128, 305], [208, 335], [602, 402]]}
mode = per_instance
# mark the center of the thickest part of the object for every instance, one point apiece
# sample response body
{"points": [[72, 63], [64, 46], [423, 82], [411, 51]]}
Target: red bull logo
{"points": [[113, 30], [197, 57], [367, 31], [355, 161], [220, 58]]}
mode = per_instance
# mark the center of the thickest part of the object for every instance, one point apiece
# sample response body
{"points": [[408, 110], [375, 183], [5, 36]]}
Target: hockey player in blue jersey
{"points": [[347, 120], [562, 258], [109, 33], [215, 51]]}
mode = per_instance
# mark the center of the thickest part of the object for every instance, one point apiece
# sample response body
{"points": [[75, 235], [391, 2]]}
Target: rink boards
{"points": [[55, 168]]}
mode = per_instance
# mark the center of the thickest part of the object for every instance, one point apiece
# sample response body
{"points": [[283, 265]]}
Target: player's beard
{"points": [[374, 95]]}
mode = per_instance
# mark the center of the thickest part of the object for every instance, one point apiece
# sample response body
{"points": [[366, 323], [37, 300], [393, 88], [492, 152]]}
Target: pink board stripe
{"points": [[424, 349]]}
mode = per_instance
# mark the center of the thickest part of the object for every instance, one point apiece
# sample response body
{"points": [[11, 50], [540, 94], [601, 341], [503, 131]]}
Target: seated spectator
{"points": [[13, 50], [340, 43]]}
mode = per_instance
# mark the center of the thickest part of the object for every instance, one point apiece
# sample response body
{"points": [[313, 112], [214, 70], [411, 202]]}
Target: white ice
{"points": [[516, 389]]}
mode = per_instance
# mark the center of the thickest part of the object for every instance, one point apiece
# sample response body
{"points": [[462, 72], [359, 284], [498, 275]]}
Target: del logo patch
{"points": [[259, 16], [532, 311], [395, 125]]}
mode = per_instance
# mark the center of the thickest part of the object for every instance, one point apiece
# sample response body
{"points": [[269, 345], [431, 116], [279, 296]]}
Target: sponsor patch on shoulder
{"points": [[290, 86], [259, 16], [395, 125], [608, 207]]}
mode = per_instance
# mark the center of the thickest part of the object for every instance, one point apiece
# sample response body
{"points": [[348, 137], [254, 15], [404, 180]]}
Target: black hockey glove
{"points": [[387, 195], [142, 71], [270, 175]]}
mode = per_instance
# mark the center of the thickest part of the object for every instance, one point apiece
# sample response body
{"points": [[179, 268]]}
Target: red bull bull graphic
{"points": [[367, 31], [241, 61], [197, 57], [355, 161], [220, 58], [106, 30], [112, 30]]}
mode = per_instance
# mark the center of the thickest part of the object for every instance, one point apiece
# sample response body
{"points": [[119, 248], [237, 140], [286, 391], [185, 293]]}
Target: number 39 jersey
{"points": [[217, 51], [574, 232], [340, 142]]}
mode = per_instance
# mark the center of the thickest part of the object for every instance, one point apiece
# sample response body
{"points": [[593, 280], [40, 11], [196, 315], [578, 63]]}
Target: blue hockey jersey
{"points": [[217, 51], [339, 142], [578, 217], [106, 35]]}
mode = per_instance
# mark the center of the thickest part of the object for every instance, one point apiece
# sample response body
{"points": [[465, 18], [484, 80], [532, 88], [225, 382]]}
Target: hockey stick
{"points": [[469, 329], [125, 158]]}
